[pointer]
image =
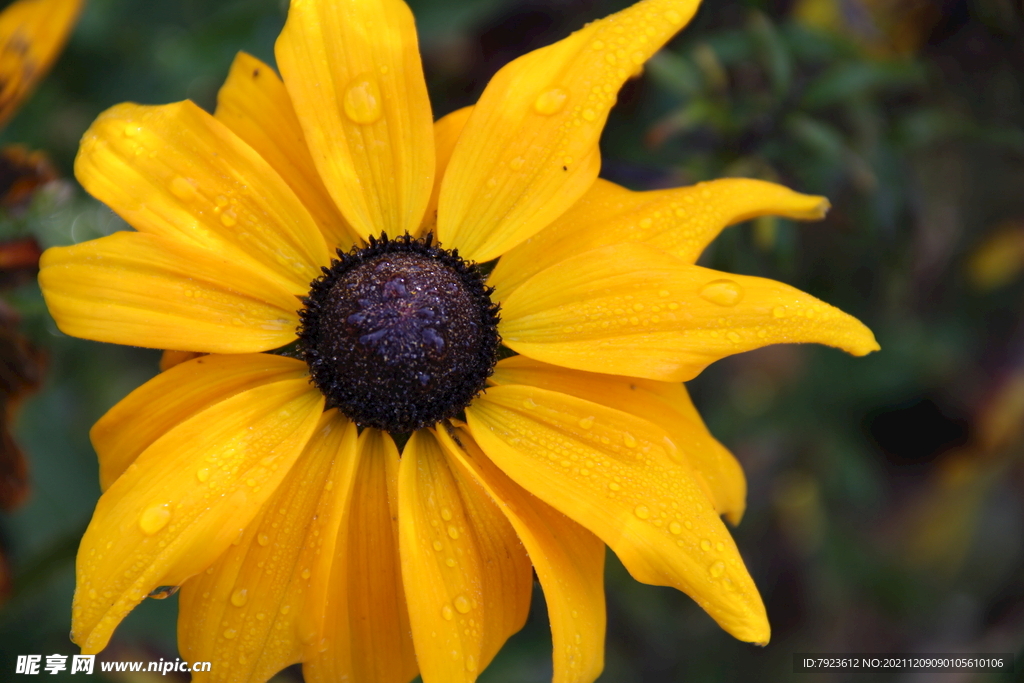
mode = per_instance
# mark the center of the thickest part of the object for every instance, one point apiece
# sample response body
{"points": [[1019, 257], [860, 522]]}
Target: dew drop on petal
{"points": [[263, 539], [161, 593], [642, 511], [230, 633], [461, 603], [182, 189], [675, 528], [452, 531], [629, 440], [203, 474], [154, 519], [587, 422], [722, 292], [362, 101], [717, 569], [438, 545], [305, 573], [240, 597], [550, 102], [470, 663], [705, 545], [447, 613]]}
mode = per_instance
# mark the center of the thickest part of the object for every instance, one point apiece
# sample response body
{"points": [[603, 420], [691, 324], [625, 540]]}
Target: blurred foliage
{"points": [[886, 509]]}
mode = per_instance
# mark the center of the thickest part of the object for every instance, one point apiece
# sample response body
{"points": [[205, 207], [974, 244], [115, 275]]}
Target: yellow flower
{"points": [[296, 536]]}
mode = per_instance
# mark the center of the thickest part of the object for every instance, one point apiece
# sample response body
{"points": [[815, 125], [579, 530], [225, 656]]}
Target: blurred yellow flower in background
{"points": [[301, 535]]}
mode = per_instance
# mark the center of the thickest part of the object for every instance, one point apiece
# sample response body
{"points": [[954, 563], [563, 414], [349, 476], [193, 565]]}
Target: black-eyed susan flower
{"points": [[300, 534]]}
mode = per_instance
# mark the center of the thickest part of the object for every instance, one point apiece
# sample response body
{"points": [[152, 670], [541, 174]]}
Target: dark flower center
{"points": [[400, 334]]}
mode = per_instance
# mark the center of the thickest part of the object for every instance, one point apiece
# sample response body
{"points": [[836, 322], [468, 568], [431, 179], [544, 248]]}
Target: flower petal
{"points": [[170, 398], [619, 477], [631, 309], [175, 170], [366, 629], [185, 499], [163, 293], [446, 133], [681, 222], [467, 579], [353, 71], [253, 607], [254, 104], [666, 404], [569, 561], [32, 33], [530, 150]]}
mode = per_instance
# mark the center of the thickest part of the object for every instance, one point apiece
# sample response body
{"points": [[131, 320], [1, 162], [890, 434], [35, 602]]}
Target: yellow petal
{"points": [[163, 293], [185, 499], [254, 104], [32, 33], [631, 309], [620, 477], [170, 398], [530, 150], [175, 170], [666, 404], [353, 71], [680, 222], [169, 358], [569, 561], [467, 579], [446, 133], [366, 630], [253, 607]]}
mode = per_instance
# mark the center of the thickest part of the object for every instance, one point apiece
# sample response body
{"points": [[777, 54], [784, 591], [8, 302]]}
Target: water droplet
{"points": [[529, 404], [722, 292], [450, 562], [589, 114], [263, 539], [154, 519], [229, 218], [230, 633], [688, 524], [719, 547], [362, 101], [673, 16], [779, 312], [642, 511], [587, 422], [611, 58], [597, 45], [452, 531], [550, 102], [203, 474], [516, 163], [131, 130], [613, 486], [447, 613], [182, 189], [159, 593], [462, 604], [438, 545], [629, 440], [664, 293], [734, 336], [305, 573], [240, 597], [717, 569], [675, 528], [446, 514], [705, 545], [470, 663], [285, 609]]}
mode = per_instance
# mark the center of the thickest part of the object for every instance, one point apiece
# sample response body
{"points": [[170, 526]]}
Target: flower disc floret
{"points": [[400, 334]]}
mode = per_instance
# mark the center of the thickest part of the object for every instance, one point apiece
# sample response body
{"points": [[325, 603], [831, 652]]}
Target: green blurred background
{"points": [[886, 505]]}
